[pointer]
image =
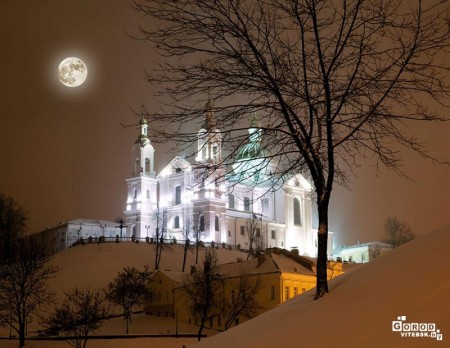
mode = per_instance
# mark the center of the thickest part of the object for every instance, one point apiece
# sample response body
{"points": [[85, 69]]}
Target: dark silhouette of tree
{"points": [[333, 82], [129, 290], [242, 301], [23, 286], [81, 313], [186, 234], [203, 290], [13, 220], [198, 230], [396, 232], [161, 219], [254, 234]]}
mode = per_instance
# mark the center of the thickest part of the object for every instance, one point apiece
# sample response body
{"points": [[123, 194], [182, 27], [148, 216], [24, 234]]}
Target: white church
{"points": [[222, 207]]}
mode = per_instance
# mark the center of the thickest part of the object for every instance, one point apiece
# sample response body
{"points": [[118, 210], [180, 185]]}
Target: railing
{"points": [[151, 240]]}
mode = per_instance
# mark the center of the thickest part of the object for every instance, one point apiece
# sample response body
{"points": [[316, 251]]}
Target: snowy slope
{"points": [[413, 281]]}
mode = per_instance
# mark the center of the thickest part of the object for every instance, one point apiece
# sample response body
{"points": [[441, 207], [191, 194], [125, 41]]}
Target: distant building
{"points": [[362, 252], [55, 239], [283, 275], [189, 196]]}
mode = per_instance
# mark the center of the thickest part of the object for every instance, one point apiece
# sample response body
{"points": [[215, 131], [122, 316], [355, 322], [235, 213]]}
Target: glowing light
{"points": [[72, 72], [128, 207]]}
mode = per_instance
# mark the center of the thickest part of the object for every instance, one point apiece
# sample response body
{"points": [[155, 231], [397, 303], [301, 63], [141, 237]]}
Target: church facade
{"points": [[188, 200]]}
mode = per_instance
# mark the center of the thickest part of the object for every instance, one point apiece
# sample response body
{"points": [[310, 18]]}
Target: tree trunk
{"points": [[186, 245], [21, 335], [322, 259]]}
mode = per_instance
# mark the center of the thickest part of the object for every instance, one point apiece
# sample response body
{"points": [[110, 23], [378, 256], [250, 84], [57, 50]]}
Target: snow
{"points": [[412, 280], [95, 265]]}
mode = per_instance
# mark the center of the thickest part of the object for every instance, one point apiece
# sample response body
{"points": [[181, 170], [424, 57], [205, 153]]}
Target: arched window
{"points": [[176, 222], [147, 166], [178, 195], [134, 193], [134, 231], [216, 223], [231, 201], [202, 223], [297, 215], [246, 204]]}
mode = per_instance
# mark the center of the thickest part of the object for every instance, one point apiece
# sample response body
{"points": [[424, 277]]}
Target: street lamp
{"points": [[147, 227], [121, 226]]}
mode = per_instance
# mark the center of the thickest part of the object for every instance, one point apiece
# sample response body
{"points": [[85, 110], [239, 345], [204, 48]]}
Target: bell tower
{"points": [[209, 143], [141, 185]]}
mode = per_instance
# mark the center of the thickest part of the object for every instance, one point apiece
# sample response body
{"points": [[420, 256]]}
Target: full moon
{"points": [[72, 72]]}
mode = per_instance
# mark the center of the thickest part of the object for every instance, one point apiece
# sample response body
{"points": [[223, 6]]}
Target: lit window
{"points": [[297, 218]]}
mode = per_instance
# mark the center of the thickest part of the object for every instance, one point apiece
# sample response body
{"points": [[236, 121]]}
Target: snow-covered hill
{"points": [[411, 281]]}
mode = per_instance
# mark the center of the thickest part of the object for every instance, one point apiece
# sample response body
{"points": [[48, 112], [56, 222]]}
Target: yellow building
{"points": [[281, 276]]}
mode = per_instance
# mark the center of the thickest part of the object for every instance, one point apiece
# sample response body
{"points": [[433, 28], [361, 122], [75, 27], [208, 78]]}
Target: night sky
{"points": [[64, 154]]}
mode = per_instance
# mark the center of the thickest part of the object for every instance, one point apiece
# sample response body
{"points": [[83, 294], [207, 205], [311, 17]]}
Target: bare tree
{"points": [[242, 300], [334, 81], [198, 231], [23, 286], [128, 290], [396, 232], [81, 313], [186, 234], [254, 234], [12, 224], [161, 218], [203, 290]]}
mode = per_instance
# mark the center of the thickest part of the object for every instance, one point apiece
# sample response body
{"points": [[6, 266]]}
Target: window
{"points": [[258, 232], [242, 230], [135, 194], [265, 205], [178, 195], [297, 219], [273, 234], [147, 166], [202, 223], [295, 291], [229, 233], [215, 152], [176, 222], [246, 204], [136, 165], [272, 293], [148, 194], [363, 257], [219, 322], [204, 152], [216, 223], [231, 201], [286, 293], [178, 170]]}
